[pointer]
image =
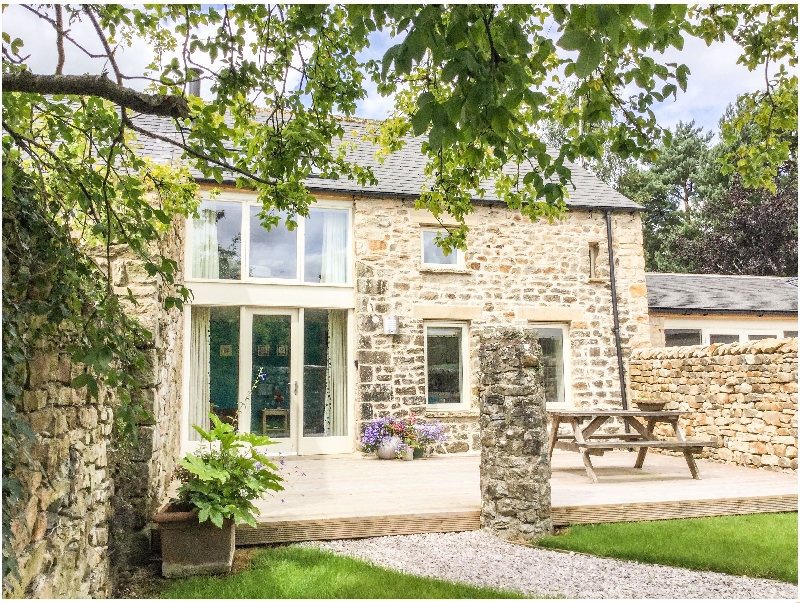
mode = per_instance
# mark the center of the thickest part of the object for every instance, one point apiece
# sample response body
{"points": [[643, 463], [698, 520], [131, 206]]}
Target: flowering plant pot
{"points": [[190, 547], [395, 437]]}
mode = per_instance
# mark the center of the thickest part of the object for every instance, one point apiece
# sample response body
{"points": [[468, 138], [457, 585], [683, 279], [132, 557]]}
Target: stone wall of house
{"points": [[142, 473], [744, 394], [85, 520], [515, 273]]}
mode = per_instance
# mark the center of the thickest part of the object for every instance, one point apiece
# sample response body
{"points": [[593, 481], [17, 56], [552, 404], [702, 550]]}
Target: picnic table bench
{"points": [[586, 440]]}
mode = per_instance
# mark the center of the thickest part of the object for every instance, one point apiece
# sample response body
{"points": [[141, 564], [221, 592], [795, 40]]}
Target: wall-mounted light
{"points": [[390, 325]]}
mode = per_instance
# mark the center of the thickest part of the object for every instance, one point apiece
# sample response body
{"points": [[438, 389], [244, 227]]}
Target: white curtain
{"points": [[336, 375], [200, 371], [334, 246], [205, 251]]}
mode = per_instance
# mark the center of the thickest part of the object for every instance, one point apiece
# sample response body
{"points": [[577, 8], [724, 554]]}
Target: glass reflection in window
{"points": [[216, 241], [326, 244], [273, 253]]}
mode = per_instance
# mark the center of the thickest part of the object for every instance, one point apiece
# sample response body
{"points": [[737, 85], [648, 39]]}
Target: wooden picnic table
{"points": [[587, 441]]}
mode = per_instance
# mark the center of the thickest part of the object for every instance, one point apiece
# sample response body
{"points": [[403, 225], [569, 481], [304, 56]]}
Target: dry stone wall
{"points": [[61, 541], [744, 394], [515, 273], [86, 520]]}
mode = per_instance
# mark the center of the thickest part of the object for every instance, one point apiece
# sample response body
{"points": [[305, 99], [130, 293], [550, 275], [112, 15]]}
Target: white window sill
{"points": [[447, 413], [289, 282], [445, 269]]}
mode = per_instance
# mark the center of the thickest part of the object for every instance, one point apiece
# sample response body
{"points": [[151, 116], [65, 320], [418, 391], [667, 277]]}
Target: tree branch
{"points": [[60, 40], [97, 85]]}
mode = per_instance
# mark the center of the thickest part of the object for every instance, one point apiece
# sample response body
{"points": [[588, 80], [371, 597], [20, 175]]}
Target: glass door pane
{"points": [[213, 366], [325, 373], [270, 400]]}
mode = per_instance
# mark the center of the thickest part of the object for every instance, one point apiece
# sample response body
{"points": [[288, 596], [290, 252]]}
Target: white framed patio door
{"points": [[269, 367], [294, 379]]}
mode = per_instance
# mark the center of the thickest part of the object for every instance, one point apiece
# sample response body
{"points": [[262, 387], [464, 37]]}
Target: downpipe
{"points": [[623, 390]]}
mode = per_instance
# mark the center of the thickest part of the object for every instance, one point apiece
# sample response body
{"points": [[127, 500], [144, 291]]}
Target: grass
{"points": [[300, 573], [758, 546]]}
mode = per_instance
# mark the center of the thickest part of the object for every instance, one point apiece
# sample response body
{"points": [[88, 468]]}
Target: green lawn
{"points": [[300, 573], [759, 546]]}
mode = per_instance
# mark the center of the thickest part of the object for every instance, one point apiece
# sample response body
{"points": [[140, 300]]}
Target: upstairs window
{"points": [[434, 256], [230, 243]]}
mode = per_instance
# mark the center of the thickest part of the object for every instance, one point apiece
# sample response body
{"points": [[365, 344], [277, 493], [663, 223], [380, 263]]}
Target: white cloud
{"points": [[715, 82]]}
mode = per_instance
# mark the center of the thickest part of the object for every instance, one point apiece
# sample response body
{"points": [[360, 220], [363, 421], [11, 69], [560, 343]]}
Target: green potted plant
{"points": [[218, 485]]}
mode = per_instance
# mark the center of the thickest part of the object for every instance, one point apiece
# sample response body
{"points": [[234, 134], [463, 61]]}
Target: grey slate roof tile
{"points": [[714, 293], [402, 172]]}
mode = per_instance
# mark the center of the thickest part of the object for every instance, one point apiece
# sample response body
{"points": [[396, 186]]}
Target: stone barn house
{"points": [[356, 314], [353, 315]]}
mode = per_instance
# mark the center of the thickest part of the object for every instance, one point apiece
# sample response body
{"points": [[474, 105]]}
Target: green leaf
{"points": [[661, 14], [589, 58], [573, 40], [422, 118]]}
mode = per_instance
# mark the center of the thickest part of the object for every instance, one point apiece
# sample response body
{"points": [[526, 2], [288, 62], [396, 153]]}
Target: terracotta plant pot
{"points": [[191, 548]]}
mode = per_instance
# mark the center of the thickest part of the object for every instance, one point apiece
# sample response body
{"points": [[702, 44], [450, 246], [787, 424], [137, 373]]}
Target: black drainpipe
{"points": [[623, 391]]}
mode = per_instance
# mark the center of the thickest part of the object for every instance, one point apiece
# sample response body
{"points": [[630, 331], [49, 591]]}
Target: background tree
{"points": [[701, 218]]}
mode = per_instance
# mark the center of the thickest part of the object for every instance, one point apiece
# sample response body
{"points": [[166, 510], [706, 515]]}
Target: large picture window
{"points": [[230, 243], [445, 364]]}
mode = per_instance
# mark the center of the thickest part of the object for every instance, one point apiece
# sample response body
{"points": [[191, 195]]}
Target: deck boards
{"points": [[350, 496]]}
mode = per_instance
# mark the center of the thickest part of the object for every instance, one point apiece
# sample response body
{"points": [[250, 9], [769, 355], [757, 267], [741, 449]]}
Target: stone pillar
{"points": [[515, 466]]}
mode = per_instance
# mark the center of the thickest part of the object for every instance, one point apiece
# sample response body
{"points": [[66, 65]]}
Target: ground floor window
{"points": [[214, 366], [325, 373], [445, 360], [716, 335], [554, 361]]}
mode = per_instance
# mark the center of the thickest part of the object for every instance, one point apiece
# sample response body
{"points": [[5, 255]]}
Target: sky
{"points": [[715, 81]]}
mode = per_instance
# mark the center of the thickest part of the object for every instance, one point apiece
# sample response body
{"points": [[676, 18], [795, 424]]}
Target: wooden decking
{"points": [[351, 496]]}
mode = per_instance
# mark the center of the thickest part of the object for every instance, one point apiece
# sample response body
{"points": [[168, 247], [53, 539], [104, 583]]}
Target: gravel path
{"points": [[482, 559]]}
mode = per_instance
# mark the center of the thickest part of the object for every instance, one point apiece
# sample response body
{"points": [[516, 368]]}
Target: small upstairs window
{"points": [[434, 256]]}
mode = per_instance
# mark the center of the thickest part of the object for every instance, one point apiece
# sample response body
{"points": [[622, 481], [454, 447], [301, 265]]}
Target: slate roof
{"points": [[721, 294], [402, 173]]}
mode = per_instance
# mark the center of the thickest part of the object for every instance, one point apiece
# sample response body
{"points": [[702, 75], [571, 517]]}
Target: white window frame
{"points": [[459, 265], [567, 352], [248, 201], [465, 367], [742, 328]]}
